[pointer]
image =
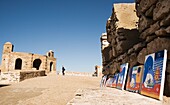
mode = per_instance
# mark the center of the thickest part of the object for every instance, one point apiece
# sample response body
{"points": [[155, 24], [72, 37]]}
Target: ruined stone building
{"points": [[121, 35], [19, 61], [135, 30]]}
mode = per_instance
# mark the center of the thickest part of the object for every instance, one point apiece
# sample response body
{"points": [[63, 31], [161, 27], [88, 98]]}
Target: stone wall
{"points": [[131, 45], [122, 35], [31, 74], [14, 77], [154, 28], [18, 61]]}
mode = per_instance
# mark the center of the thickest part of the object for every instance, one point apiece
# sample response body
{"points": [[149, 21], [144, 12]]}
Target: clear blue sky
{"points": [[71, 28]]}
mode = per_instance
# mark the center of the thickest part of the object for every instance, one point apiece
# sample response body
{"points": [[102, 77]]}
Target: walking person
{"points": [[63, 70]]}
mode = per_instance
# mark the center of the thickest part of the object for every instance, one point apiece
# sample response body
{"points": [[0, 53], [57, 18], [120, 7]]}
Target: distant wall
{"points": [[31, 74], [18, 61]]}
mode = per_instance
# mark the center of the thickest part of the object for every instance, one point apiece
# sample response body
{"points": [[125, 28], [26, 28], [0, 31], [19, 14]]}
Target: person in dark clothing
{"points": [[63, 70]]}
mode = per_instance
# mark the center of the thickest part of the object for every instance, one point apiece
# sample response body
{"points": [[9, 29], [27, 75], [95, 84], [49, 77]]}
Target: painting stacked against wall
{"points": [[134, 79], [122, 76], [154, 74], [146, 80]]}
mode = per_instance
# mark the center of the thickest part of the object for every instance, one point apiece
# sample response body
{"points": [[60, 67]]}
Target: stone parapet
{"points": [[31, 74]]}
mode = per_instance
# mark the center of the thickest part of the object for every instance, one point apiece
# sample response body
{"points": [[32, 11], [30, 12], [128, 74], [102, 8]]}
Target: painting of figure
{"points": [[122, 76], [154, 74]]}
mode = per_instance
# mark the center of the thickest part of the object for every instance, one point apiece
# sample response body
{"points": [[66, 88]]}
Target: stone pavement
{"points": [[112, 96]]}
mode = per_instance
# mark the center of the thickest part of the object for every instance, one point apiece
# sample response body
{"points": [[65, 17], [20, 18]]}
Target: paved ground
{"points": [[49, 90], [112, 96], [74, 90]]}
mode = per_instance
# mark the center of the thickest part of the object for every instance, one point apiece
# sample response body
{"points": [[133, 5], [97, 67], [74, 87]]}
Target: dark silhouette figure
{"points": [[63, 70]]}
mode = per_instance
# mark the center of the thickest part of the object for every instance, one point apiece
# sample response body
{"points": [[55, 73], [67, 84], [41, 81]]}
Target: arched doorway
{"points": [[18, 64], [51, 66], [37, 63]]}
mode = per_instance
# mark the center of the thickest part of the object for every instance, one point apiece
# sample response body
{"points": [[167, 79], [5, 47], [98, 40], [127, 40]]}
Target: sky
{"points": [[71, 28]]}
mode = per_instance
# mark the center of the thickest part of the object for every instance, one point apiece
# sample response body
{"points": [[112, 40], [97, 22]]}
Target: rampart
{"points": [[146, 30]]}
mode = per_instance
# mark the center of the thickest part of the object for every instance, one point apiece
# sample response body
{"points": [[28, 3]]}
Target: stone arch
{"points": [[18, 64], [51, 66], [37, 63]]}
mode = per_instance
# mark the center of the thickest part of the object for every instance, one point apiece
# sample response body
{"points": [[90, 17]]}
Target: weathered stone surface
{"points": [[161, 32], [149, 12], [133, 60], [126, 59], [145, 4], [162, 9], [150, 30], [138, 12], [168, 67], [31, 74], [132, 37], [127, 12], [121, 38], [141, 55], [166, 21], [167, 29], [144, 23], [130, 51], [159, 44], [139, 46], [150, 38], [12, 61]]}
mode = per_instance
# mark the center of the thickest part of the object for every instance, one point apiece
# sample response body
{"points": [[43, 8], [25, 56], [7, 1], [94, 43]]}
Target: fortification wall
{"points": [[154, 28], [152, 34]]}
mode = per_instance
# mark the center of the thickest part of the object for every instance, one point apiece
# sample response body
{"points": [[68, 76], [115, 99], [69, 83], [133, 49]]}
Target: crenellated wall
{"points": [[147, 31]]}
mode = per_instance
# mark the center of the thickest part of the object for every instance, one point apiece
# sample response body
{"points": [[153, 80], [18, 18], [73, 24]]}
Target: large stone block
{"points": [[138, 47], [133, 60], [161, 32], [145, 4], [141, 56], [159, 44], [150, 38], [149, 12], [132, 38], [165, 21], [167, 30], [130, 51], [162, 9], [150, 31], [144, 23]]}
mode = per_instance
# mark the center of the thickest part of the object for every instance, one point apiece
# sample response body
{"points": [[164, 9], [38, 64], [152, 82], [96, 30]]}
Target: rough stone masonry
{"points": [[135, 30], [17, 66]]}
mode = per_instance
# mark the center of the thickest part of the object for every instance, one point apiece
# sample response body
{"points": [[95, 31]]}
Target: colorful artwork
{"points": [[109, 82], [154, 74], [135, 79], [122, 76], [103, 81], [128, 79], [115, 78]]}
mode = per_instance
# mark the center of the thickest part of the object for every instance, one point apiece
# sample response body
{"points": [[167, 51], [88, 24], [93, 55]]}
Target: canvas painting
{"points": [[122, 76], [109, 82], [128, 80], [136, 78], [115, 78], [154, 74]]}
